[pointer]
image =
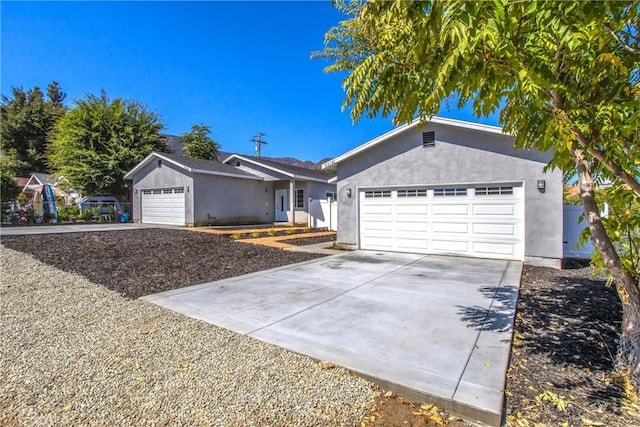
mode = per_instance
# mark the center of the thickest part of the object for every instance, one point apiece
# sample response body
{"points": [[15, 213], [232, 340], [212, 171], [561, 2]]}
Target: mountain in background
{"points": [[176, 146]]}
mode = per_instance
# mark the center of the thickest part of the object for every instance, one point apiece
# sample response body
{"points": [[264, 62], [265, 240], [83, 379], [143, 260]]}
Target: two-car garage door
{"points": [[163, 206], [480, 220]]}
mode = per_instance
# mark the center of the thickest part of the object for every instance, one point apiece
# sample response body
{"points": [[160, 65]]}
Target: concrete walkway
{"points": [[432, 328]]}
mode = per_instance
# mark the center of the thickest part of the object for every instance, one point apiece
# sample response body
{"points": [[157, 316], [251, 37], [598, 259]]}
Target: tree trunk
{"points": [[628, 358]]}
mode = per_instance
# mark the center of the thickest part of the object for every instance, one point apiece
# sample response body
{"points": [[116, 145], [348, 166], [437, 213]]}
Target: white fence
{"points": [[571, 233], [323, 214]]}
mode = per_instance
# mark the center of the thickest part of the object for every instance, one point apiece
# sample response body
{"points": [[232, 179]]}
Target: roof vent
{"points": [[428, 139]]}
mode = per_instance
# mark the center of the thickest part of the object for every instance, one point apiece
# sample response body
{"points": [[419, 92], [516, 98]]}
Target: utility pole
{"points": [[257, 138]]}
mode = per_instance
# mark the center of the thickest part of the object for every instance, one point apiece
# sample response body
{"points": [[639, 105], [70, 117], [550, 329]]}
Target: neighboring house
{"points": [[173, 189], [292, 185], [59, 184], [450, 187]]}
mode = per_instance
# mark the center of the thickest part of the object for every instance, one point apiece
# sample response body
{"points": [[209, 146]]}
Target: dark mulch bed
{"points": [[310, 240], [562, 361], [561, 368], [142, 262]]}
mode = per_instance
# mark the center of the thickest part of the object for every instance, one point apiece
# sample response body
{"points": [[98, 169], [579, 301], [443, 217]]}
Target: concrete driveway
{"points": [[26, 230], [432, 328]]}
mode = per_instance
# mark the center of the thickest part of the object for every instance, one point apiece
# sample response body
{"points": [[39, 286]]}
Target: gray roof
{"points": [[45, 178], [205, 165], [295, 170]]}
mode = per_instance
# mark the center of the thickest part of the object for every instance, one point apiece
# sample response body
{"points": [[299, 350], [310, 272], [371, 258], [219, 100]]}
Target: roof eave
{"points": [[400, 129], [255, 162], [146, 160], [232, 175]]}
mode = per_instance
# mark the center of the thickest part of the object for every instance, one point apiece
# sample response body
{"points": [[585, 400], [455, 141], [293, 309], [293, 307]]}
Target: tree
{"points": [[9, 190], [565, 76], [198, 143], [27, 122], [99, 140]]}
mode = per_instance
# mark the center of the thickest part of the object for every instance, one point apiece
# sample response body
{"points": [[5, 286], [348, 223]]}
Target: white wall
{"points": [[571, 233], [323, 214]]}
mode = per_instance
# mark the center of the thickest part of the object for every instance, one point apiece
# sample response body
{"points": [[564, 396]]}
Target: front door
{"points": [[282, 205]]}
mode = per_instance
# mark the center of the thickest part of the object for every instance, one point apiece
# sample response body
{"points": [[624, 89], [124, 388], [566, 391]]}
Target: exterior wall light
{"points": [[349, 192], [542, 185]]}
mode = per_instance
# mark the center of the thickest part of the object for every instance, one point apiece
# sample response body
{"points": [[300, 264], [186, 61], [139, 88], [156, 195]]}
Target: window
{"points": [[377, 194], [428, 139], [147, 192], [237, 163], [157, 191], [167, 191], [299, 198], [494, 191], [331, 195], [178, 190], [412, 193], [440, 192]]}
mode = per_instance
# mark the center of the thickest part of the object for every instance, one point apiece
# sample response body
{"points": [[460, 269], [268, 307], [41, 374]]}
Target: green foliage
{"points": [[27, 121], [555, 70], [571, 197], [68, 212], [623, 227], [99, 140], [198, 143], [9, 190]]}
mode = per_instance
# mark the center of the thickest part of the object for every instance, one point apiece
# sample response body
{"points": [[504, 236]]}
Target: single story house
{"points": [[59, 184], [450, 187], [180, 190]]}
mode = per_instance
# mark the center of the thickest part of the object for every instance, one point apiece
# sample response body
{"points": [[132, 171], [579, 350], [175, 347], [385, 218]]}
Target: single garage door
{"points": [[481, 220], [163, 206]]}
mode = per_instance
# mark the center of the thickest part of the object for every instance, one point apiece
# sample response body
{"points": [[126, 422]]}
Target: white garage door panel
{"points": [[448, 210], [378, 209], [495, 229], [411, 209], [473, 220], [412, 226], [411, 243], [451, 246], [493, 210], [494, 248], [450, 227], [163, 206]]}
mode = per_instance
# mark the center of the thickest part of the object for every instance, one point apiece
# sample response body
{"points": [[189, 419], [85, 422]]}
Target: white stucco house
{"points": [[180, 190], [450, 187]]}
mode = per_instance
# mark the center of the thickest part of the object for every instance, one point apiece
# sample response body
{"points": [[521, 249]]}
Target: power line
{"points": [[257, 138]]}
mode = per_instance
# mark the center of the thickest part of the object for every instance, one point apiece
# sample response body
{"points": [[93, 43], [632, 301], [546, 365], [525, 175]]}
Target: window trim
{"points": [[496, 190], [332, 194], [450, 192], [377, 194], [412, 192], [299, 202]]}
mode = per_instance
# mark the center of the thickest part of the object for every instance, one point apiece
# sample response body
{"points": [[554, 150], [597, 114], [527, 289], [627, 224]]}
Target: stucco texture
{"points": [[460, 156]]}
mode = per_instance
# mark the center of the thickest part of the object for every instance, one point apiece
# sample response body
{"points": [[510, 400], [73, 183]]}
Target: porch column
{"points": [[292, 200]]}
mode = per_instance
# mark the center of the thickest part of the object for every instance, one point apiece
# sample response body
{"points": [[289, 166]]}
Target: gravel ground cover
{"points": [[77, 348], [76, 353], [142, 262]]}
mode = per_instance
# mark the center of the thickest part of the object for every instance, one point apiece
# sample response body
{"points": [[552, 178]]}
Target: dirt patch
{"points": [[142, 262]]}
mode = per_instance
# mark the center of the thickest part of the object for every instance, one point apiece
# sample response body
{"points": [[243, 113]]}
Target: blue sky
{"points": [[240, 67]]}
